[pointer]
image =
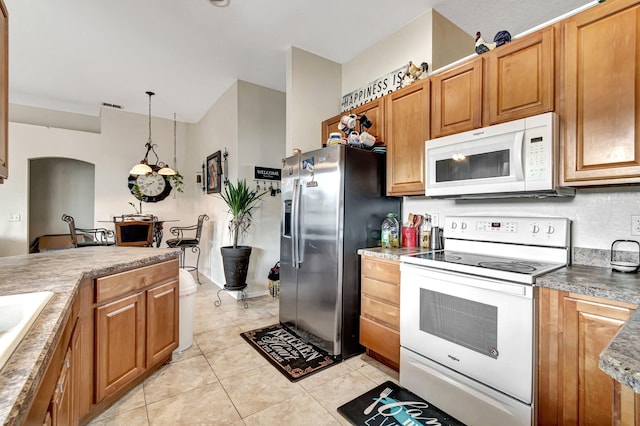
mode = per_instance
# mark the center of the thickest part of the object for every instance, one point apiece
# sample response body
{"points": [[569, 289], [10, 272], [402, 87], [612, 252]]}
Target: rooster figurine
{"points": [[501, 38], [414, 72], [482, 46]]}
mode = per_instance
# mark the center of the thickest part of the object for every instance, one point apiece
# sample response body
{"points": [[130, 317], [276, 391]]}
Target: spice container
{"points": [[425, 232]]}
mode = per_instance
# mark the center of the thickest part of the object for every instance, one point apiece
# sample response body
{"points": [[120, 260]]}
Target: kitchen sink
{"points": [[18, 312]]}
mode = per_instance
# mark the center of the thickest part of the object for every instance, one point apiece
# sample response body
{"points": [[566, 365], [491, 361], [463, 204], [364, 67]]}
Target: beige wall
{"points": [[249, 121], [313, 95], [409, 43], [450, 43]]}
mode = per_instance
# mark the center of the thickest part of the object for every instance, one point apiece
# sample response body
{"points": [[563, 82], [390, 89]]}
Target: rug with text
{"points": [[393, 405], [291, 355]]}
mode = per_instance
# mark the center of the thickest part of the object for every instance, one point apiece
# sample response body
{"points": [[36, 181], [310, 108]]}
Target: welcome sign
{"points": [[382, 86]]}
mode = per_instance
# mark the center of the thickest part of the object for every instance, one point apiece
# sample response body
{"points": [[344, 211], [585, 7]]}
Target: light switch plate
{"points": [[635, 224]]}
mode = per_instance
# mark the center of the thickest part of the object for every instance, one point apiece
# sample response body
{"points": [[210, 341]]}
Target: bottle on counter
{"points": [[390, 231], [425, 232]]}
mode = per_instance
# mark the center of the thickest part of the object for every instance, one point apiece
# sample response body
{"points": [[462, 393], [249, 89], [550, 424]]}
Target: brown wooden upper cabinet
{"points": [[407, 129], [520, 78], [329, 126], [602, 90], [374, 111], [513, 81], [4, 93], [456, 105]]}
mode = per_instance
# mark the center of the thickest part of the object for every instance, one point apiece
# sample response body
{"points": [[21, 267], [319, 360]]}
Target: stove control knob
{"points": [[463, 225], [550, 229], [454, 225], [534, 229]]}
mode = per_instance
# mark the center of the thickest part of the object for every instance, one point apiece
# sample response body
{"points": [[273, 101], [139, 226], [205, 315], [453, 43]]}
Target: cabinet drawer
{"points": [[136, 279], [380, 339], [384, 312], [381, 290], [381, 269]]}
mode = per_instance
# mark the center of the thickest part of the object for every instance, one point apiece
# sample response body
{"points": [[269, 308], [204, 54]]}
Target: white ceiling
{"points": [[72, 55]]}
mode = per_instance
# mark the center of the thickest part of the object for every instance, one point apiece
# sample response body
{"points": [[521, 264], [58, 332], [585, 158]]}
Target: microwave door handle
{"points": [[518, 164]]}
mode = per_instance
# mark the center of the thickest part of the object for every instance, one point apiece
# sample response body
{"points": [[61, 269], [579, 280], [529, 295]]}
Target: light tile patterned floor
{"points": [[221, 380]]}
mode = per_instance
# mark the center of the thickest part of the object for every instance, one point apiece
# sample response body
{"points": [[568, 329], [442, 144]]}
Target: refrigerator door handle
{"points": [[295, 225]]}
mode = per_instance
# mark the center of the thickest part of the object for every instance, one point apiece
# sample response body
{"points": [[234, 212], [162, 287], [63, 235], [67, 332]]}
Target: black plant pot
{"points": [[235, 262]]}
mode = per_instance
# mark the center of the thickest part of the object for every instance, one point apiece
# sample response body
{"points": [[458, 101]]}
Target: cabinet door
{"points": [[162, 322], [457, 99], [602, 95], [407, 127], [374, 111], [587, 391], [120, 337], [75, 372], [520, 78], [61, 402], [330, 126], [4, 93]]}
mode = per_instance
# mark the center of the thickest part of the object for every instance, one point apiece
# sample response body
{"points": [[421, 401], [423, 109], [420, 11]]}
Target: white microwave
{"points": [[513, 159]]}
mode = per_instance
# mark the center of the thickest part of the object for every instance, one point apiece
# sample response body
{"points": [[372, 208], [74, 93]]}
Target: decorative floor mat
{"points": [[291, 355], [392, 405]]}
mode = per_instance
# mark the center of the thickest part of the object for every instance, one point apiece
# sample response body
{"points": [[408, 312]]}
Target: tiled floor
{"points": [[221, 380]]}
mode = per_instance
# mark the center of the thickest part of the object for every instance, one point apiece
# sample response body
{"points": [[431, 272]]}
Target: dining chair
{"points": [[136, 233], [188, 237], [134, 230], [88, 237]]}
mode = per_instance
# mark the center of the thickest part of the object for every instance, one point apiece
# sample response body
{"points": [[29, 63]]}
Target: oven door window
{"points": [[476, 166], [464, 322]]}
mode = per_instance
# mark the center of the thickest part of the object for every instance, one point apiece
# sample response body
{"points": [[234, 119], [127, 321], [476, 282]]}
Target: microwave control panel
{"points": [[538, 153]]}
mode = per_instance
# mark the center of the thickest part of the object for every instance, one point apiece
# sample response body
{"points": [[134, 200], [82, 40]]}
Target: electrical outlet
{"points": [[14, 217], [635, 225], [435, 219]]}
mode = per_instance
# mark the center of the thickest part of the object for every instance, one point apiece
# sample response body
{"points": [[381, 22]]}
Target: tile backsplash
{"points": [[598, 216]]}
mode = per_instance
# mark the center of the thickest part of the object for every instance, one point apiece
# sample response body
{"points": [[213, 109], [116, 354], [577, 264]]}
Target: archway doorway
{"points": [[60, 185]]}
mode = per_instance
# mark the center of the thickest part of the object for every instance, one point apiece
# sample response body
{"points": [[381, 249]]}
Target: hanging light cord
{"points": [[175, 159], [149, 145]]}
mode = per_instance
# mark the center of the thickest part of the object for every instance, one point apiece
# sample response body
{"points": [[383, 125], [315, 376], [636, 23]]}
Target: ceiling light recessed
{"points": [[219, 3]]}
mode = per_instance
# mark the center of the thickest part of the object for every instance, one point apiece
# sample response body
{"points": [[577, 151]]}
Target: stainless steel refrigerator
{"points": [[333, 203]]}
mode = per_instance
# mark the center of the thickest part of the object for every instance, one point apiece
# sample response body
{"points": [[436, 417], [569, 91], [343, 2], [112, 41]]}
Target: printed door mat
{"points": [[392, 405], [291, 355]]}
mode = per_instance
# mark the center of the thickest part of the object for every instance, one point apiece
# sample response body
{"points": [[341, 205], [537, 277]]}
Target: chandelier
{"points": [[143, 168]]}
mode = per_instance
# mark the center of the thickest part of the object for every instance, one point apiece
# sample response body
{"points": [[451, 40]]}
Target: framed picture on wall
{"points": [[213, 172]]}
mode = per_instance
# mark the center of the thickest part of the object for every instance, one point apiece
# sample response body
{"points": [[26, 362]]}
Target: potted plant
{"points": [[242, 202]]}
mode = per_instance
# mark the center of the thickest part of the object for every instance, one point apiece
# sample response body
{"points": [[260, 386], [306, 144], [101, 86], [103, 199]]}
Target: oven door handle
{"points": [[417, 275]]}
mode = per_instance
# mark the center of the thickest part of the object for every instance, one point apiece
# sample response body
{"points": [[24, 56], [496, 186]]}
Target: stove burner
{"points": [[513, 266], [451, 257]]}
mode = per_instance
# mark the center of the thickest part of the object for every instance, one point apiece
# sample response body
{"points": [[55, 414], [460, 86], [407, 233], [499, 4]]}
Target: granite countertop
{"points": [[621, 359], [59, 272], [391, 253]]}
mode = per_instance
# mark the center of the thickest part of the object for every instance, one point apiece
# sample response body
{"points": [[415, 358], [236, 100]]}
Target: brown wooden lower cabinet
{"points": [[380, 309], [111, 341], [119, 343], [573, 330]]}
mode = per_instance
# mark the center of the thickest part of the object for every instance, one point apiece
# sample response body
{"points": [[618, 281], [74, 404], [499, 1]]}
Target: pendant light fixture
{"points": [[143, 167]]}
